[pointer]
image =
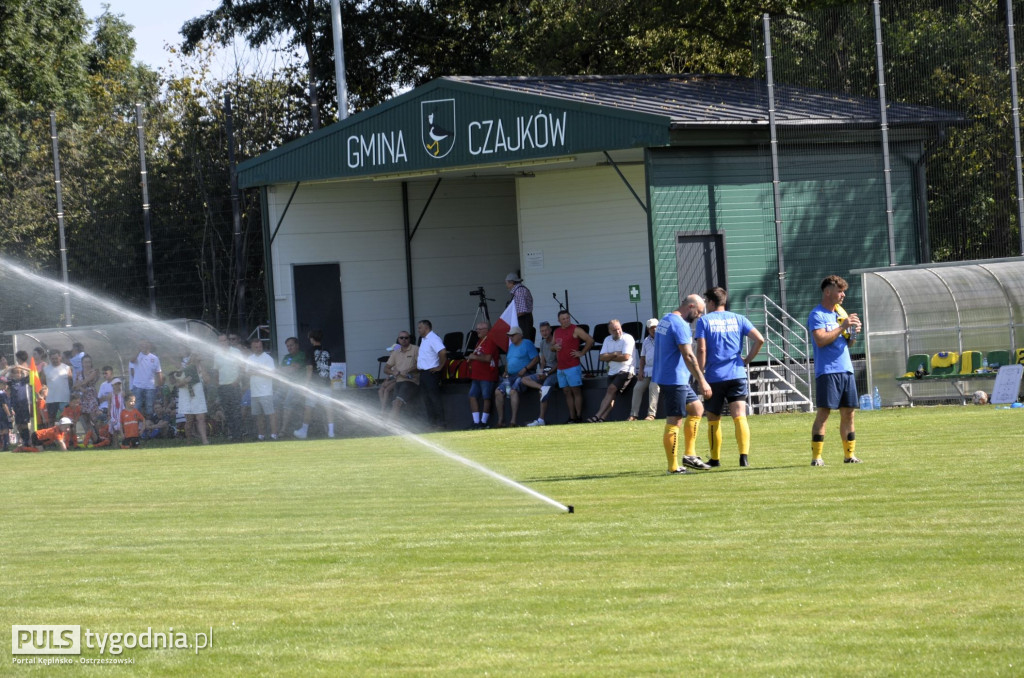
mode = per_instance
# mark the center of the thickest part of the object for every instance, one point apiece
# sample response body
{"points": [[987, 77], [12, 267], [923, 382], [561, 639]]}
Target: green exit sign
{"points": [[634, 294]]}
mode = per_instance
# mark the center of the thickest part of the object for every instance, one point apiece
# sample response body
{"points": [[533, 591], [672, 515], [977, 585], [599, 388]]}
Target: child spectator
{"points": [[99, 434], [132, 424], [73, 412], [6, 415], [56, 436]]}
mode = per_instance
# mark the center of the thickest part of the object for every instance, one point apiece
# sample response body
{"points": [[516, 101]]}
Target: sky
{"points": [[158, 22]]}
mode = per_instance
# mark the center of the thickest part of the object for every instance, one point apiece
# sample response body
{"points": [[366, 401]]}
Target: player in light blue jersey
{"points": [[719, 338], [835, 388]]}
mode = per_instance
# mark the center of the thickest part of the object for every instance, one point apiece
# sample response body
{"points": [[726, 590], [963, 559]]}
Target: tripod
{"points": [[481, 309]]}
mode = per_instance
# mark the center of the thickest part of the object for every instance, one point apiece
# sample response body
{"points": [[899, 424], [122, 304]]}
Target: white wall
{"points": [[592, 235], [467, 238]]}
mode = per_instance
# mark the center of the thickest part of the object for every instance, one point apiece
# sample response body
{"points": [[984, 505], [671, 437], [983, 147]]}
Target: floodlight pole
{"points": [[236, 218], [145, 210], [776, 193], [339, 60], [1016, 122], [60, 218], [876, 5]]}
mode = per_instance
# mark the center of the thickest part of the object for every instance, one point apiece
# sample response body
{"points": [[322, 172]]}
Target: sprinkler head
{"points": [[571, 508]]}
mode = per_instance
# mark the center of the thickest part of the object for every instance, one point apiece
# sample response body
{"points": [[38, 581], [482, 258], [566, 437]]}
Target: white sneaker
{"points": [[536, 422], [301, 433], [273, 436]]}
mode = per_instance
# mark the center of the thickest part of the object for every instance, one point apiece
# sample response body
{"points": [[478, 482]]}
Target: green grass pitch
{"points": [[376, 557]]}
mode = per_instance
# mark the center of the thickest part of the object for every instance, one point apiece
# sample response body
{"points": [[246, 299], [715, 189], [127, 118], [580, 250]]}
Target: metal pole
{"points": [[236, 218], [776, 191], [885, 131], [1016, 122], [140, 127], [60, 218], [339, 60]]}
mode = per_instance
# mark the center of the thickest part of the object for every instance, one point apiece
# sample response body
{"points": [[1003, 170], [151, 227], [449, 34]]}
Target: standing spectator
{"points": [[523, 299], [105, 389], [228, 366], [21, 391], [117, 401], [191, 396], [617, 350], [674, 362], [570, 373], [835, 388], [132, 424], [293, 372], [719, 337], [147, 377], [401, 368], [644, 382], [58, 383], [6, 414], [483, 375], [261, 390], [521, 359], [77, 354], [85, 386], [545, 380], [430, 362], [318, 378]]}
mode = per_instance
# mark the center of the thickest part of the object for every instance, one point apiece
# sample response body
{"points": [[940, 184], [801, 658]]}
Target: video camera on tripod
{"points": [[480, 308]]}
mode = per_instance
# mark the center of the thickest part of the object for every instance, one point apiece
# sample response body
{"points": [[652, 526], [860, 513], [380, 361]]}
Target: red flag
{"points": [[499, 332]]}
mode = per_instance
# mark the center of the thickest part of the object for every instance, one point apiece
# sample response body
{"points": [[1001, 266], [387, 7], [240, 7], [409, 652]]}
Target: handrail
{"points": [[787, 358]]}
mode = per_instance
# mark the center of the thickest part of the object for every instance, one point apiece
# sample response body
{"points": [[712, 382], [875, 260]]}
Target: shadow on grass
{"points": [[654, 474]]}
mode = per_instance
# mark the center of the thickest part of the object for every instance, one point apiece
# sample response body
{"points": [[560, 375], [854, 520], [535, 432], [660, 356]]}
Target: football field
{"points": [[378, 557]]}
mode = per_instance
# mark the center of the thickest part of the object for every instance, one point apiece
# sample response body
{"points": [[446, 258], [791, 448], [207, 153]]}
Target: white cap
{"points": [[65, 421]]}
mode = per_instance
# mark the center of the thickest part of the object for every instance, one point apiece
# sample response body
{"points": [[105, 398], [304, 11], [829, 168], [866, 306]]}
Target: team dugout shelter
{"points": [[627, 192]]}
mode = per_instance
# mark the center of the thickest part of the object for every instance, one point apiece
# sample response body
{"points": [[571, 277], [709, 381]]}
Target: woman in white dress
{"points": [[191, 396]]}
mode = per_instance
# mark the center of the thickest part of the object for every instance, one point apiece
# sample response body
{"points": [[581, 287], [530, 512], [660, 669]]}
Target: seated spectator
{"points": [[99, 434], [57, 436], [643, 373], [617, 351], [483, 375], [159, 424], [521, 360], [545, 380], [73, 411], [403, 373]]}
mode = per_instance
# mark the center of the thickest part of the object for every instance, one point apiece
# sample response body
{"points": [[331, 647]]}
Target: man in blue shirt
{"points": [[835, 388], [519, 363], [719, 337], [674, 361]]}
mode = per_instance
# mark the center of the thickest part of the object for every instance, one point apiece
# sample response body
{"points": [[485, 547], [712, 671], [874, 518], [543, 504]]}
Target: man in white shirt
{"points": [[617, 351], [261, 390], [228, 364], [430, 362], [148, 377], [58, 385]]}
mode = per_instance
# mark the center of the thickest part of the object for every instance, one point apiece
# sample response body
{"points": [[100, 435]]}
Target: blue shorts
{"points": [[484, 390], [835, 390], [675, 398], [516, 384], [722, 392], [571, 377]]}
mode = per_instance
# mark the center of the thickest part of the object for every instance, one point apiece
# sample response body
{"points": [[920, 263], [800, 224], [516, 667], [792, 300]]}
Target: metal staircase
{"points": [[781, 381]]}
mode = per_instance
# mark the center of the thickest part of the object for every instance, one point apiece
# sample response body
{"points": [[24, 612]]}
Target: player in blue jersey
{"points": [[719, 337], [674, 362], [835, 388]]}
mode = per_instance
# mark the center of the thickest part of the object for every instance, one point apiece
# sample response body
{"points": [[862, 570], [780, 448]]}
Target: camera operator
{"points": [[519, 294]]}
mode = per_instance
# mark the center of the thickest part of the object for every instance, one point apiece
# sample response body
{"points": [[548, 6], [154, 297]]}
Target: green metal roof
{"points": [[451, 123]]}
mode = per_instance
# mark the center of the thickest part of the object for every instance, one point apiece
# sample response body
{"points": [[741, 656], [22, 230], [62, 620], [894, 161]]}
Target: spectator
{"points": [[57, 436], [105, 390], [20, 390], [132, 424], [483, 375], [191, 396], [521, 359], [99, 434], [147, 376], [545, 380], [719, 337], [644, 382], [523, 299], [261, 390], [85, 386], [58, 383], [73, 411], [318, 378], [6, 414], [617, 350], [228, 366], [430, 362], [117, 402], [403, 373], [292, 371], [77, 354], [570, 373]]}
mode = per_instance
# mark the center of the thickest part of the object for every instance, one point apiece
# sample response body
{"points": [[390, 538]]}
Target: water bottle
{"points": [[984, 363], [877, 400], [865, 402]]}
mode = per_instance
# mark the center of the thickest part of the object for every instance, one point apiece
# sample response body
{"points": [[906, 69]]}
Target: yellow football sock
{"points": [[671, 442], [690, 435], [742, 434], [849, 445], [817, 444], [715, 439]]}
